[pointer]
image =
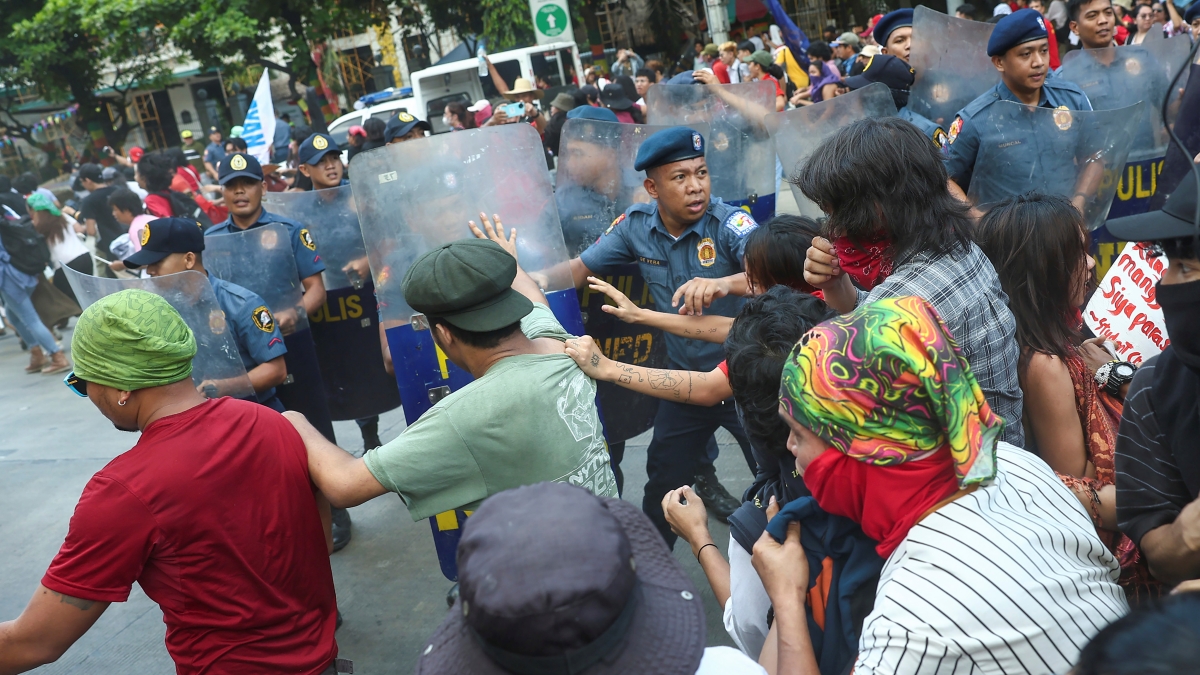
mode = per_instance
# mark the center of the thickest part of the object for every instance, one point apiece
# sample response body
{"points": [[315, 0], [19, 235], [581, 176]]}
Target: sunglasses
{"points": [[75, 384]]}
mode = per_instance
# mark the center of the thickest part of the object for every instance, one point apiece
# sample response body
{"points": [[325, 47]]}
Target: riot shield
{"points": [[417, 195], [740, 154], [344, 328], [798, 132], [952, 67], [261, 260], [1076, 154], [595, 184], [216, 366]]}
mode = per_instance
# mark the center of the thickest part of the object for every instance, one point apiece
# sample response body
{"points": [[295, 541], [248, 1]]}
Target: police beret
{"points": [[1023, 25], [401, 124], [669, 145], [1193, 12], [315, 147], [890, 22], [588, 112]]}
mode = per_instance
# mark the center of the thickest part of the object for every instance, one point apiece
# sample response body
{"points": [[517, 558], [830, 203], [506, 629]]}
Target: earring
{"points": [[122, 402]]}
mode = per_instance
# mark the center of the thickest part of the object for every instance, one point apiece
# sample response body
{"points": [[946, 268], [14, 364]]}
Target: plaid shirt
{"points": [[964, 289]]}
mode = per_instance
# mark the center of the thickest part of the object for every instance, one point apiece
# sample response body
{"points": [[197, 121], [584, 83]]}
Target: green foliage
{"points": [[507, 24]]}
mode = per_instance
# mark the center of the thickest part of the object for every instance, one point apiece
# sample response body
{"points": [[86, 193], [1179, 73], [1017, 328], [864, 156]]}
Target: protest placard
{"points": [[1124, 309]]}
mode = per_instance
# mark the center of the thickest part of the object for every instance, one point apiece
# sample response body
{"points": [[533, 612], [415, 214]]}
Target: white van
{"points": [[436, 87]]}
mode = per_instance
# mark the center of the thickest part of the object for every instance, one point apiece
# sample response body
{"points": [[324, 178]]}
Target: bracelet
{"points": [[702, 550]]}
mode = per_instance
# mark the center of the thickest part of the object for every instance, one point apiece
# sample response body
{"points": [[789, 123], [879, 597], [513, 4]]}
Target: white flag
{"points": [[259, 128]]}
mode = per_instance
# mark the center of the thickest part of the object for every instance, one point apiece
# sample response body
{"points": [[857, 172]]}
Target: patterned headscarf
{"points": [[132, 340], [887, 384]]}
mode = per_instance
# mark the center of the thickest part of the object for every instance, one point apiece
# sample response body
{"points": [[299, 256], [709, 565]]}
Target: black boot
{"points": [[341, 528], [714, 495], [370, 433]]}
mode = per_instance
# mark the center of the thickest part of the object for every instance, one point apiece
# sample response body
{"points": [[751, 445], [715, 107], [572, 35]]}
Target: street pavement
{"points": [[389, 586]]}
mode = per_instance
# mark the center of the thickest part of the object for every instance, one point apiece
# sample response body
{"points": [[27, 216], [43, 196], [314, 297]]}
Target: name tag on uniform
{"points": [[1008, 144], [652, 261]]}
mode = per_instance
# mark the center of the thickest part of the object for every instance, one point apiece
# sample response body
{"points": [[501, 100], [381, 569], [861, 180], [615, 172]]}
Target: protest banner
{"points": [[1124, 309]]}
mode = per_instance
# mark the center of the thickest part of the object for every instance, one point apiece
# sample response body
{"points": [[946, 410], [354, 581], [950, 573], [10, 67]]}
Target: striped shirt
{"points": [[1008, 579]]}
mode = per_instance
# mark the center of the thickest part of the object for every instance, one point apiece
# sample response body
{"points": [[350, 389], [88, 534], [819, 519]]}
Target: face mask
{"points": [[1181, 313]]}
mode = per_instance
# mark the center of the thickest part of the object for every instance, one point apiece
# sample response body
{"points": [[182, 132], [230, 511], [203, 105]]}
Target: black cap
{"points": [[213, 130], [613, 96], [469, 284], [885, 68], [1175, 220], [163, 236], [315, 147], [92, 172], [401, 124], [237, 165]]}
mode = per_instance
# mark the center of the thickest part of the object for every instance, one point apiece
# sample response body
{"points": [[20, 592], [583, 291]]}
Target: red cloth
{"points": [[624, 117], [868, 263], [190, 178], [1055, 62], [885, 500], [724, 368], [158, 206], [721, 71], [212, 513], [778, 87]]}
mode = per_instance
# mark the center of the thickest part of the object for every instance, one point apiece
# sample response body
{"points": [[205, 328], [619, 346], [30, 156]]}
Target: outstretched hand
{"points": [[622, 307], [495, 233]]}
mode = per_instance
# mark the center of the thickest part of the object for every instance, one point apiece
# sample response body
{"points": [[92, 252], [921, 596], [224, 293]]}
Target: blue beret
{"points": [[1193, 11], [890, 22], [587, 112], [669, 145], [1023, 25]]}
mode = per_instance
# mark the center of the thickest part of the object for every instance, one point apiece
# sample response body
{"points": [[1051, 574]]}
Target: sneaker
{"points": [[714, 495]]}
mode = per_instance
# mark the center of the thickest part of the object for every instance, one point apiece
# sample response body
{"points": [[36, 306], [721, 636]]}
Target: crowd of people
{"points": [[950, 472]]}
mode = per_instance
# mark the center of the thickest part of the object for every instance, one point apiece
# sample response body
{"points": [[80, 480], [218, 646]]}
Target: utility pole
{"points": [[718, 20]]}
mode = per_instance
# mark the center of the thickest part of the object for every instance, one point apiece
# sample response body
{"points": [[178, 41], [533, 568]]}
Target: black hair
{"points": [[1182, 248], [775, 70], [762, 336], [587, 95], [1075, 6], [5, 184], [646, 73], [301, 132], [746, 46], [1159, 640], [178, 157], [459, 110], [374, 128], [157, 169], [821, 50], [882, 175], [627, 86], [126, 200], [1038, 245], [239, 144], [25, 183], [776, 250], [486, 340]]}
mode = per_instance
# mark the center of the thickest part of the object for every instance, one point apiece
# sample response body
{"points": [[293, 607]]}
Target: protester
{"points": [[62, 236], [965, 11], [456, 117], [727, 56], [482, 109], [562, 104], [641, 83], [990, 559], [375, 128], [355, 138], [623, 605], [126, 208], [822, 75], [615, 99], [18, 279], [758, 63], [628, 63], [923, 248], [177, 523], [1161, 639], [845, 50], [525, 92], [94, 211]]}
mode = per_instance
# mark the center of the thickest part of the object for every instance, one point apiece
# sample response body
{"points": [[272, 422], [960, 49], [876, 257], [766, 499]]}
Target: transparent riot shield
{"points": [[740, 154], [798, 132], [952, 67], [417, 195], [595, 184], [1076, 154], [216, 369], [345, 328], [261, 260]]}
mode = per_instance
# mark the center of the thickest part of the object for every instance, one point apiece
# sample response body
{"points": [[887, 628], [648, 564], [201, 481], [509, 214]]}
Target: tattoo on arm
{"points": [[671, 380], [83, 605]]}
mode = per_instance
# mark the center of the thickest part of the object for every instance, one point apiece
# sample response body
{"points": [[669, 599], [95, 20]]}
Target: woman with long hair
{"points": [[457, 118], [62, 236], [1039, 247]]}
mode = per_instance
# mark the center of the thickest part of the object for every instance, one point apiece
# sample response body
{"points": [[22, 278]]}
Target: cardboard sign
{"points": [[1124, 309]]}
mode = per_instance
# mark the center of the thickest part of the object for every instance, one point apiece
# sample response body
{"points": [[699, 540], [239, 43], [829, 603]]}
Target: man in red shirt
{"points": [[212, 512]]}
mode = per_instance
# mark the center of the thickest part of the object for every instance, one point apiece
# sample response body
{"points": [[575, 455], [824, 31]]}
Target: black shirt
{"points": [[95, 207]]}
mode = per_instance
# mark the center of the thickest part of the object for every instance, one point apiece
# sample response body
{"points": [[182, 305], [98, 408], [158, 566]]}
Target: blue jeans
{"points": [[25, 319]]}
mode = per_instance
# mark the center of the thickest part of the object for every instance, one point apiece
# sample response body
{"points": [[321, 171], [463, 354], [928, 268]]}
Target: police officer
{"points": [[684, 234], [173, 245], [893, 33], [1020, 51], [405, 127], [595, 185], [898, 76]]}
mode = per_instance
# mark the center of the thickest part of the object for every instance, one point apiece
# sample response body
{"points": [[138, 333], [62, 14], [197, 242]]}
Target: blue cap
{"points": [[401, 124], [315, 147], [1192, 13], [1023, 25], [890, 22], [669, 145], [587, 112], [686, 77], [163, 236], [237, 165]]}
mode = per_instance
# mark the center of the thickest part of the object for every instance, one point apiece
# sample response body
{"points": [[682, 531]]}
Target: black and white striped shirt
{"points": [[1008, 579]]}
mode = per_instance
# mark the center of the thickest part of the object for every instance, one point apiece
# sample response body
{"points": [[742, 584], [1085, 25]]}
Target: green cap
{"points": [[40, 202], [469, 284], [761, 57]]}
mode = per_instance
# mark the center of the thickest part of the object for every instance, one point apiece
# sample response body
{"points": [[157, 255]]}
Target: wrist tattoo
{"points": [[595, 360]]}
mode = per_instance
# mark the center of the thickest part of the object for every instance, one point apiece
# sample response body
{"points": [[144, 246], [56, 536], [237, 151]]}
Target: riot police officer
{"points": [[684, 234], [1020, 51], [583, 200], [893, 33], [173, 245], [405, 127], [898, 76]]}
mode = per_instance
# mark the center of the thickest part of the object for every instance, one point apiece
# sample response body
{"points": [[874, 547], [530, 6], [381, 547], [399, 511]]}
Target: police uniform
{"points": [[932, 130], [304, 245], [1133, 75], [967, 135], [710, 248], [899, 77]]}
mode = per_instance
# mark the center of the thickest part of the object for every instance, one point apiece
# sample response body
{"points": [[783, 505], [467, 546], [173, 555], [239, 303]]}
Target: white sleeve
{"points": [[745, 614], [727, 661]]}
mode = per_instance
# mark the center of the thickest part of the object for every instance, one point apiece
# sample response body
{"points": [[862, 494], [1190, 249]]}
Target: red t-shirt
{"points": [[213, 514], [721, 71], [778, 87], [724, 368]]}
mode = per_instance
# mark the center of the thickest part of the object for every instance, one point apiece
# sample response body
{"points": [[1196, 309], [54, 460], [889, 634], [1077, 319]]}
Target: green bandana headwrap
{"points": [[40, 202], [132, 340]]}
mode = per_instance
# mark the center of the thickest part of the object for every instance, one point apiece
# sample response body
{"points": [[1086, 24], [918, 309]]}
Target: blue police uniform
{"points": [[304, 246], [254, 329], [214, 152], [931, 129]]}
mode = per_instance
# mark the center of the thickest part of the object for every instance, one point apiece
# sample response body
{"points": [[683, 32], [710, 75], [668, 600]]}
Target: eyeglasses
{"points": [[75, 384]]}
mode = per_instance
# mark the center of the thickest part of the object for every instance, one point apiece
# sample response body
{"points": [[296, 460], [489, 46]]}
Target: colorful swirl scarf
{"points": [[887, 384]]}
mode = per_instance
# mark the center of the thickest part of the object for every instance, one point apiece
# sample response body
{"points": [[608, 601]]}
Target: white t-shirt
{"points": [[745, 614], [69, 248], [727, 661], [1008, 579]]}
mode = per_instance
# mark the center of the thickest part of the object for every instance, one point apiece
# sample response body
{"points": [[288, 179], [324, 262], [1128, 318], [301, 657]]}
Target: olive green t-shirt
{"points": [[530, 418]]}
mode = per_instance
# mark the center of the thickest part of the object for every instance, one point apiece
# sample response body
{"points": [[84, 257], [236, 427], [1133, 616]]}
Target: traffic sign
{"points": [[551, 20]]}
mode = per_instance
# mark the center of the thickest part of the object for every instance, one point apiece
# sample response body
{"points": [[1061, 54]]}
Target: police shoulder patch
{"points": [[954, 129], [262, 319], [306, 238], [740, 222], [615, 223], [939, 138]]}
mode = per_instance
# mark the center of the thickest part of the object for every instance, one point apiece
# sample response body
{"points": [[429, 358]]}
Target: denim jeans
{"points": [[25, 319]]}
